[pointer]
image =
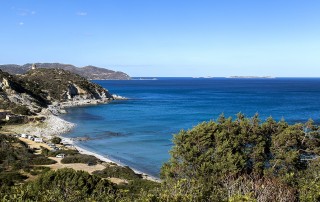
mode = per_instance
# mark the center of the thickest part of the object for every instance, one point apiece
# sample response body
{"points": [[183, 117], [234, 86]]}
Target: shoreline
{"points": [[54, 125], [108, 160]]}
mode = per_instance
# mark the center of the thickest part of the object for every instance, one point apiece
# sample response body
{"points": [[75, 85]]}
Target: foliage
{"points": [[80, 158], [118, 172], [63, 185], [61, 81], [309, 182], [63, 151], [41, 160], [11, 177], [56, 140], [16, 156], [224, 160], [134, 184], [21, 109], [231, 158]]}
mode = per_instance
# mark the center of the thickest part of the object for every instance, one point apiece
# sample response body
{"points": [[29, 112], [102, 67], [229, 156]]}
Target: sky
{"points": [[166, 37]]}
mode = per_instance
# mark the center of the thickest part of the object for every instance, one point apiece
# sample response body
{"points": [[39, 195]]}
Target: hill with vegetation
{"points": [[88, 72], [31, 92]]}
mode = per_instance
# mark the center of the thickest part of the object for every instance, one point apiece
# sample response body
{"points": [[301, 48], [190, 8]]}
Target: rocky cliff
{"points": [[89, 72], [31, 92]]}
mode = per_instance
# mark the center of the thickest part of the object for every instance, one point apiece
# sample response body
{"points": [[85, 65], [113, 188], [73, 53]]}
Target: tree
{"points": [[228, 159]]}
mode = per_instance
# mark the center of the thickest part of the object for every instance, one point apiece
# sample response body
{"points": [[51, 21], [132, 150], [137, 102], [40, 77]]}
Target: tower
{"points": [[34, 66]]}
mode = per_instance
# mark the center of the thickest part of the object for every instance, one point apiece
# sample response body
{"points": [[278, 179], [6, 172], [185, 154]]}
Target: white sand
{"points": [[105, 159], [56, 126]]}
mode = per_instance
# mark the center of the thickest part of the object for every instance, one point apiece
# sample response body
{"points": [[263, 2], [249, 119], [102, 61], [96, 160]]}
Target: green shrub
{"points": [[44, 151], [66, 152], [118, 172], [56, 140], [10, 178], [21, 109], [41, 160], [39, 170], [80, 158]]}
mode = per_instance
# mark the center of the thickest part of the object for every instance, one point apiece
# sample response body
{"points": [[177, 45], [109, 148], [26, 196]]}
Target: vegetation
{"points": [[15, 156], [134, 182], [62, 81], [34, 91], [46, 152], [89, 72], [41, 160], [63, 185], [16, 86], [118, 172], [228, 159], [56, 140], [21, 109], [80, 158], [224, 160]]}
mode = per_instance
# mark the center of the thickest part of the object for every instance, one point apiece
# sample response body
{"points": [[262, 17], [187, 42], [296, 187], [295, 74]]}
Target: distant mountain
{"points": [[89, 72]]}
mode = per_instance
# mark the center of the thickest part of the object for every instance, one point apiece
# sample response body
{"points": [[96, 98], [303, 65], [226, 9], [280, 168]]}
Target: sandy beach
{"points": [[56, 126], [105, 159]]}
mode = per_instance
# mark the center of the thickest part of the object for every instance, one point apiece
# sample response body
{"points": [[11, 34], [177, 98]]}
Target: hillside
{"points": [[89, 72], [15, 96], [38, 88]]}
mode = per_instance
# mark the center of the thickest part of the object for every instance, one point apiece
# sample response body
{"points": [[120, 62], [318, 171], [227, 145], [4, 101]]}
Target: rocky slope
{"points": [[14, 96], [89, 72], [31, 92]]}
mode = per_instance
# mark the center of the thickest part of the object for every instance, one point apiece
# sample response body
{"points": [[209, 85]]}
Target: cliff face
{"points": [[38, 88], [89, 72]]}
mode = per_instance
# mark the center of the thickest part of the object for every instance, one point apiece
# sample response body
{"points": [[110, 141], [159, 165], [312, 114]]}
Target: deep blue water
{"points": [[138, 131]]}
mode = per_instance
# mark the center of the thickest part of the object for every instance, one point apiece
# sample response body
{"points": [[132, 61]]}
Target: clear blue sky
{"points": [[166, 37]]}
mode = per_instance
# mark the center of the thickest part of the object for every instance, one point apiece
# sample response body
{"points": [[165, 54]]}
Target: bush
{"points": [[10, 178], [56, 140], [66, 152], [44, 151], [39, 170], [41, 160], [80, 158], [118, 172]]}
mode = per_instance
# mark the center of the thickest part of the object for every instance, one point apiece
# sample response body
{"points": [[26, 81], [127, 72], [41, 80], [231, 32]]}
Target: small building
{"points": [[38, 139]]}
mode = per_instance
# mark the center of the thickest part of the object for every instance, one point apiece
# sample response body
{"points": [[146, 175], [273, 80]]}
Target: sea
{"points": [[138, 132]]}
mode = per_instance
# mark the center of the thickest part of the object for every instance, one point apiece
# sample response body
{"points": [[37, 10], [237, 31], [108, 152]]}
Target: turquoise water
{"points": [[138, 132]]}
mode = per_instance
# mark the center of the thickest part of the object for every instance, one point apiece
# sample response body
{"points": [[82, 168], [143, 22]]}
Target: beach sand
{"points": [[56, 126]]}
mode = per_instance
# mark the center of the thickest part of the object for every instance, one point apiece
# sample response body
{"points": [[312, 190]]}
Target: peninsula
{"points": [[89, 72]]}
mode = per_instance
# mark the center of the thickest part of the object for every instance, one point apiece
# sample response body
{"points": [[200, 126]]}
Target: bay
{"points": [[137, 132]]}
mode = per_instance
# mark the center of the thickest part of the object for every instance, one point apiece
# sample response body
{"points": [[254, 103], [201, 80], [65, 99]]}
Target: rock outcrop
{"points": [[39, 88]]}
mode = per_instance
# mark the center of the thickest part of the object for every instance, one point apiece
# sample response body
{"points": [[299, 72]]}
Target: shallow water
{"points": [[138, 132]]}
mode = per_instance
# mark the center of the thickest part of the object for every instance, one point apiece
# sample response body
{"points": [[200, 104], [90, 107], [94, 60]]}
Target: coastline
{"points": [[108, 160], [54, 125]]}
